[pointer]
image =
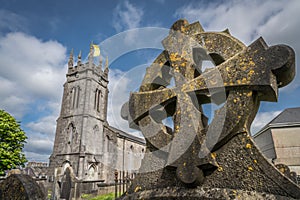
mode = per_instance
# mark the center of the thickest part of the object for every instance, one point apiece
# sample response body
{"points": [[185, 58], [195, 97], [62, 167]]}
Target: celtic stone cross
{"points": [[192, 153]]}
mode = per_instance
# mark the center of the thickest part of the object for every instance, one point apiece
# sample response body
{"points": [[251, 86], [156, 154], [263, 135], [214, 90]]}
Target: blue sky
{"points": [[37, 36]]}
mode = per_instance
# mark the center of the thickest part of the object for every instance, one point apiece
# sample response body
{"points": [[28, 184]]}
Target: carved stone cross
{"points": [[242, 77]]}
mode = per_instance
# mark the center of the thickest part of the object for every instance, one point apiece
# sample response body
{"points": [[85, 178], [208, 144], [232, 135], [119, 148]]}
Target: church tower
{"points": [[79, 140]]}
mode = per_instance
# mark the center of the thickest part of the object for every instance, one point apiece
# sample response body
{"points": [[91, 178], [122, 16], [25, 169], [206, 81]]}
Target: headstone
{"points": [[66, 185], [194, 160], [21, 187]]}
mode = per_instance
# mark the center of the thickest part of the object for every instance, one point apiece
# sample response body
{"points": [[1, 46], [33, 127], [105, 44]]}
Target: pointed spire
{"points": [[70, 62], [100, 59], [79, 59], [91, 54], [100, 62], [106, 65]]}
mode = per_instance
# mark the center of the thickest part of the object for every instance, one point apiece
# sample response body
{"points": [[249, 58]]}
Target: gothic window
{"points": [[71, 136], [78, 95], [75, 94], [91, 172], [65, 165], [97, 100], [107, 146]]}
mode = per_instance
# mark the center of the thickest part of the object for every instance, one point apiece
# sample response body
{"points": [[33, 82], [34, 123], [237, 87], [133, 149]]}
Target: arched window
{"points": [[107, 145], [91, 172], [78, 95], [75, 94], [65, 165], [97, 100], [71, 136]]}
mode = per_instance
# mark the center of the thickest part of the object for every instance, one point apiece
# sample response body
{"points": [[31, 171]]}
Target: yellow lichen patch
{"points": [[137, 188], [220, 169], [244, 80], [251, 63], [282, 170], [183, 28], [249, 94], [248, 146], [213, 155], [251, 72], [174, 57], [250, 168]]}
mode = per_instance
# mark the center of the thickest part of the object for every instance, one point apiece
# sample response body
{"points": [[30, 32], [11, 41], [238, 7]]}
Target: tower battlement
{"points": [[80, 67]]}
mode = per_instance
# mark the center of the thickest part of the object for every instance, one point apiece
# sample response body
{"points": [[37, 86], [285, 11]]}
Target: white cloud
{"points": [[120, 86], [241, 17], [30, 69], [46, 126], [32, 73], [261, 119], [127, 16], [284, 28], [37, 157]]}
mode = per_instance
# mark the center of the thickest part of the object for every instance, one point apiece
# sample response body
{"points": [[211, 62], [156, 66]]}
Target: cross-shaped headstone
{"points": [[243, 77]]}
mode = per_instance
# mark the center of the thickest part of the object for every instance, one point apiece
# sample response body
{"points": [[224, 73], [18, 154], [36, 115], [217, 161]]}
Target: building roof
{"points": [[127, 135], [288, 117]]}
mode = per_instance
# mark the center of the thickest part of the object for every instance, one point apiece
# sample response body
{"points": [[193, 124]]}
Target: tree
{"points": [[12, 140]]}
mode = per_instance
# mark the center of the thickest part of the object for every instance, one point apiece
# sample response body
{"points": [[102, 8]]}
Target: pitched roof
{"points": [[289, 115], [127, 135]]}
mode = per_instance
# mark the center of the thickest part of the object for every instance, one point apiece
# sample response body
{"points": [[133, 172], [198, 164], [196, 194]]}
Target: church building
{"points": [[87, 150]]}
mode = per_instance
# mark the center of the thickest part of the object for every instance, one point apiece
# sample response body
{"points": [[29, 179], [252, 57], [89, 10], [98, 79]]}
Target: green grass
{"points": [[110, 196]]}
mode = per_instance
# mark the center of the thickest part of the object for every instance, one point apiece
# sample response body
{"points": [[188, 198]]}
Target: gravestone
{"points": [[194, 160], [21, 187], [66, 185]]}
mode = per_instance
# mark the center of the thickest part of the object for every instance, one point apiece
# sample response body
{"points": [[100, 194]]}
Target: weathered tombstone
{"points": [[66, 185], [21, 187], [195, 160]]}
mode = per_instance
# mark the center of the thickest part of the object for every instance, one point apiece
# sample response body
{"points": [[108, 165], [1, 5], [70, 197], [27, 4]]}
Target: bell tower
{"points": [[79, 139]]}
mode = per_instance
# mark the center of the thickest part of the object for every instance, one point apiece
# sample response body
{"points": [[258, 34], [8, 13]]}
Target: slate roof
{"points": [[127, 135], [288, 117]]}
